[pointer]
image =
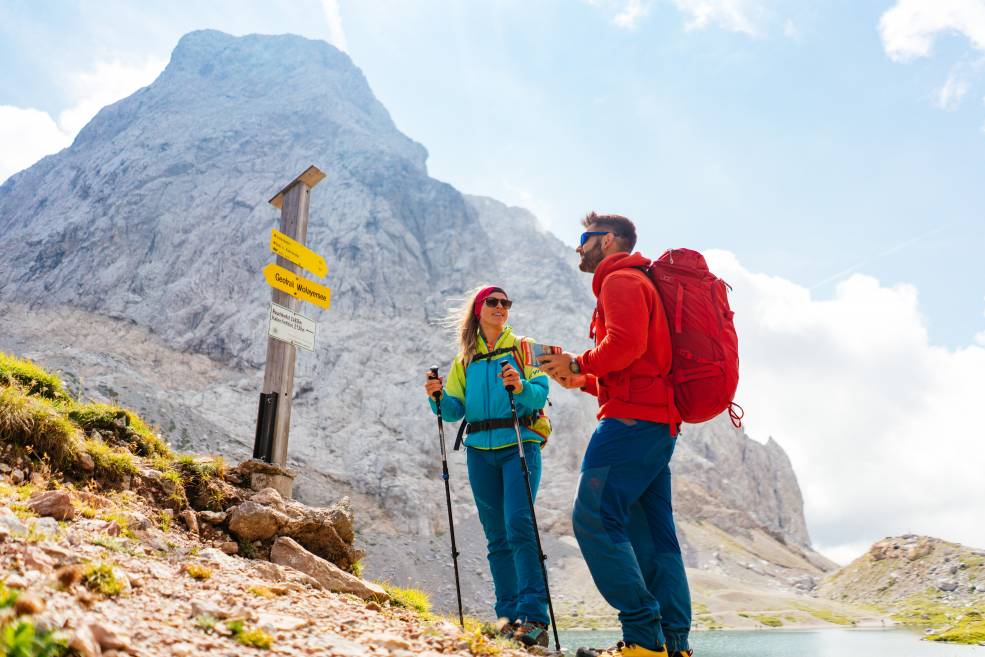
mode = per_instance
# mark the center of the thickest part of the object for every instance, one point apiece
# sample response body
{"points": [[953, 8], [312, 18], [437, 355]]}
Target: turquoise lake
{"points": [[793, 643]]}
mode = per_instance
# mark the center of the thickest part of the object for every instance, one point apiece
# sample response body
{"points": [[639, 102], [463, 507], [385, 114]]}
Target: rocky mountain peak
{"points": [[154, 225]]}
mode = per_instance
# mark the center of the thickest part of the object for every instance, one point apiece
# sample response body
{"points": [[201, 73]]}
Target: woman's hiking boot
{"points": [[531, 633], [505, 628], [623, 650]]}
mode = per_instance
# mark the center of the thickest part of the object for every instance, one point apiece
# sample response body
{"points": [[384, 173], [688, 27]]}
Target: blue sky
{"points": [[834, 152], [792, 134]]}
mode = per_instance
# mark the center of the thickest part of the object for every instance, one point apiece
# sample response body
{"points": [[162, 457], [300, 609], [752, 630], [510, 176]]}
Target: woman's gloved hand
{"points": [[432, 385], [511, 378]]}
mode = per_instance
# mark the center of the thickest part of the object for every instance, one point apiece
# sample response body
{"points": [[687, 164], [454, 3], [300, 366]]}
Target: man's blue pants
{"points": [[624, 523], [504, 511]]}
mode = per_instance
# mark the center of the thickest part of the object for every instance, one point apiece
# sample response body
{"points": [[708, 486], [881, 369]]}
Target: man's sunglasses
{"points": [[492, 302], [591, 233]]}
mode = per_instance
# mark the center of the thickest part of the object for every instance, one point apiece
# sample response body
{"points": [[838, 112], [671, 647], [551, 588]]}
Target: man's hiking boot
{"points": [[531, 633], [623, 650]]}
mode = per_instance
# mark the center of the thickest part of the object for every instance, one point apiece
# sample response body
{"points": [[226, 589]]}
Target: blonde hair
{"points": [[462, 320]]}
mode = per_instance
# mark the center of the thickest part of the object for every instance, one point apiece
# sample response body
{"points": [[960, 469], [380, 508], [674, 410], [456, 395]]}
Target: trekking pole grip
{"points": [[434, 375], [502, 368]]}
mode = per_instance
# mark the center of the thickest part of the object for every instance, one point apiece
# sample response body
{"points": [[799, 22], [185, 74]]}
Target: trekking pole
{"points": [[530, 498], [444, 475]]}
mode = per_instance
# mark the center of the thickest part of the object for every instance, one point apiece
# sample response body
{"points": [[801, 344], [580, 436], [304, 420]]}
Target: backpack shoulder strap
{"points": [[492, 354]]}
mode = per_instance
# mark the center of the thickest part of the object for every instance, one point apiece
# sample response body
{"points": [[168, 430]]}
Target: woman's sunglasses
{"points": [[492, 302]]}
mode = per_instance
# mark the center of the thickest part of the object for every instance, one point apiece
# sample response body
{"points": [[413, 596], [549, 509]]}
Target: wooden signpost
{"points": [[287, 328]]}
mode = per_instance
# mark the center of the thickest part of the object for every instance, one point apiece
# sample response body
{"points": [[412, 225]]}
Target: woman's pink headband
{"points": [[481, 298]]}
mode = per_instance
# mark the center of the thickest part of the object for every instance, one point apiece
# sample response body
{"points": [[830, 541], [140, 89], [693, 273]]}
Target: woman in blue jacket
{"points": [[476, 391]]}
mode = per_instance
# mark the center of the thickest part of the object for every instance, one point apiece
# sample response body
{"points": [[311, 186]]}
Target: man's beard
{"points": [[590, 259]]}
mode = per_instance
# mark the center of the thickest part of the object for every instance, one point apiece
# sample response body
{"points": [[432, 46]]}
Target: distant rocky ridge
{"points": [[897, 568], [920, 581], [133, 264]]}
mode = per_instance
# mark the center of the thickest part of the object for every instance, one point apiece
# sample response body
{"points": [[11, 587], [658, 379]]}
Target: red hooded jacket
{"points": [[627, 370]]}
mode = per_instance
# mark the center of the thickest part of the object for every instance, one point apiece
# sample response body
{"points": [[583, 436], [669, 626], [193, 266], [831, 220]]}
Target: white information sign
{"points": [[291, 327]]}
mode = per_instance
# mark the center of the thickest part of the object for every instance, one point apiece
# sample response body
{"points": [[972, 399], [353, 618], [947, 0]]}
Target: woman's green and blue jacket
{"points": [[477, 394]]}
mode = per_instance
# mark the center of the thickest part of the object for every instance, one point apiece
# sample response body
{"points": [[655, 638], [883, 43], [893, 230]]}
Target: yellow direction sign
{"points": [[298, 253], [301, 288]]}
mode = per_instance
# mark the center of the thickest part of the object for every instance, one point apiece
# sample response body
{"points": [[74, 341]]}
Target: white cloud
{"points": [[30, 134], [790, 30], [949, 96], [908, 29], [881, 425], [333, 16], [106, 82], [630, 15], [27, 135], [743, 16], [732, 15]]}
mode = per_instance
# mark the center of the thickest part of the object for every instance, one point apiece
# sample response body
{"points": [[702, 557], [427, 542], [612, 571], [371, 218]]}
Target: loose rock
{"points": [[191, 521], [55, 504], [251, 521], [287, 552]]}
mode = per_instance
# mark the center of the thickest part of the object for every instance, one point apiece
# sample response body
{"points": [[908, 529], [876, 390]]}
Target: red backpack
{"points": [[705, 370]]}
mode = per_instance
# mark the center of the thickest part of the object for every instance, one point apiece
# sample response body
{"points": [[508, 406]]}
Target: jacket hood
{"points": [[615, 262]]}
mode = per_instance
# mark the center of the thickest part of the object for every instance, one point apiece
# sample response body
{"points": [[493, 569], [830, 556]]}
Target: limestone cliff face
{"points": [[155, 222], [719, 463]]}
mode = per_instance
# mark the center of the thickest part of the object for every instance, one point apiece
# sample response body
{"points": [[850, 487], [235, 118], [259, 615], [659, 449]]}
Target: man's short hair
{"points": [[620, 226]]}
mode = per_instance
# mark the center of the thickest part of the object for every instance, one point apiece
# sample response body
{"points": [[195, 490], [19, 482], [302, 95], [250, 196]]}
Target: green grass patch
{"points": [[969, 629], [202, 478], [197, 571], [112, 464], [924, 610], [36, 425], [246, 550], [254, 637], [412, 599], [261, 591], [109, 542], [99, 577], [829, 616], [8, 596], [31, 377], [22, 639], [121, 427], [769, 621]]}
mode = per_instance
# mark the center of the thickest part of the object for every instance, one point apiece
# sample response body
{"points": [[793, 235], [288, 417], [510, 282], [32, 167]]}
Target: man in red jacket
{"points": [[623, 518]]}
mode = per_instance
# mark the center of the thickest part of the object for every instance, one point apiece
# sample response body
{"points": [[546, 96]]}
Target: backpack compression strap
{"points": [[487, 425]]}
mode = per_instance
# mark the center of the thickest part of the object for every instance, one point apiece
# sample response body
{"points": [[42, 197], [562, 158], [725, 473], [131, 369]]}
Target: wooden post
{"points": [[278, 376]]}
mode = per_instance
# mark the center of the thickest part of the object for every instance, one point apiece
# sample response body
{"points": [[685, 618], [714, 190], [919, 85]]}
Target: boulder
{"points": [[287, 552], [327, 532], [55, 504], [269, 497], [252, 522]]}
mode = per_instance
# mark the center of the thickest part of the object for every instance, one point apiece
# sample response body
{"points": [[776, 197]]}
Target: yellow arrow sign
{"points": [[301, 288], [297, 253]]}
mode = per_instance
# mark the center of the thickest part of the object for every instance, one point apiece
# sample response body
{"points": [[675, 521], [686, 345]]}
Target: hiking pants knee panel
{"points": [[500, 494], [624, 525]]}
